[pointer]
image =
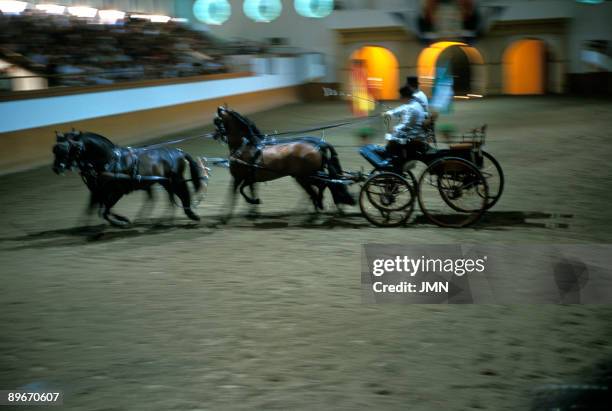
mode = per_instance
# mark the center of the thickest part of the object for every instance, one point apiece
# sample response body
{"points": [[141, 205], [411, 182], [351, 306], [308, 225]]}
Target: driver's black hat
{"points": [[413, 81]]}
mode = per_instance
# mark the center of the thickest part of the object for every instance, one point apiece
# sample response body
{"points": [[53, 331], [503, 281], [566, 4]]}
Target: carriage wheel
{"points": [[492, 172], [387, 199], [452, 192]]}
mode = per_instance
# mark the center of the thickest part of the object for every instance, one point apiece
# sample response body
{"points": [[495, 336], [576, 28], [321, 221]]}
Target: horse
{"points": [[111, 171], [311, 161]]}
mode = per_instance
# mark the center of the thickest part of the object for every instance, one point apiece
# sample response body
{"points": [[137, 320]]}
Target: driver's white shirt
{"points": [[422, 98], [410, 126]]}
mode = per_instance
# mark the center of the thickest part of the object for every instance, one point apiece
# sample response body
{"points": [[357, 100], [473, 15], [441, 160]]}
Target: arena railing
{"points": [[143, 81]]}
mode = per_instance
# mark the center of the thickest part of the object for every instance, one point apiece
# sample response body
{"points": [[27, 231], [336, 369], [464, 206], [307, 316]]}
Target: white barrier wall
{"points": [[24, 114]]}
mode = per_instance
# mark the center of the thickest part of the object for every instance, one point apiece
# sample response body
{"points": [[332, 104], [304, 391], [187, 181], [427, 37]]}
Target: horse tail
{"points": [[331, 161], [196, 172]]}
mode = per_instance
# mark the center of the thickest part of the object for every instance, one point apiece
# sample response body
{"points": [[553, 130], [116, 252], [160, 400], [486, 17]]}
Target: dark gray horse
{"points": [[111, 171]]}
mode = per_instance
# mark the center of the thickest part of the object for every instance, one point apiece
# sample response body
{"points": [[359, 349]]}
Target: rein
{"points": [[180, 140], [282, 133], [326, 127], [330, 92]]}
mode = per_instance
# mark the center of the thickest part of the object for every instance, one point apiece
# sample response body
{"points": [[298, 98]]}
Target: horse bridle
{"points": [[247, 141], [220, 132], [74, 151]]}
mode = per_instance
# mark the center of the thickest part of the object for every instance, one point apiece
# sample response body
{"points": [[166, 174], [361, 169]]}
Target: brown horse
{"points": [[311, 161]]}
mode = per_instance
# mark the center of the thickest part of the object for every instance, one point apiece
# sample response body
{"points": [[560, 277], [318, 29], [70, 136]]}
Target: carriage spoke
{"points": [[386, 199], [453, 200]]}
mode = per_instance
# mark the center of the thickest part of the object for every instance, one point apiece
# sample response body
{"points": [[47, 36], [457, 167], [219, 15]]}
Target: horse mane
{"points": [[248, 123], [80, 135]]}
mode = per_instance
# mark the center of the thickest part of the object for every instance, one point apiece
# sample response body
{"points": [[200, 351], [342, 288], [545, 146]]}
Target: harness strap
{"points": [[134, 163]]}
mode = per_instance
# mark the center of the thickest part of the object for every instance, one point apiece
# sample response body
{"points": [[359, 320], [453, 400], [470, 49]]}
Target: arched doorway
{"points": [[525, 67], [382, 71], [461, 61]]}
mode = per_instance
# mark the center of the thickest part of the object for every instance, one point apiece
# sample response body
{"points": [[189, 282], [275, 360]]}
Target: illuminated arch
{"points": [[382, 70], [428, 60], [524, 67]]}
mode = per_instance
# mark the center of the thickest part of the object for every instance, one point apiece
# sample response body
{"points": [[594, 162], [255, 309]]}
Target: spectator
{"points": [[72, 51]]}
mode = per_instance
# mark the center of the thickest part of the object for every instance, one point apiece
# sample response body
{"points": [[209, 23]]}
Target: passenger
{"points": [[418, 94]]}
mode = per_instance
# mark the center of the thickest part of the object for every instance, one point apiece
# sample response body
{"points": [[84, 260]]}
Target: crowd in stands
{"points": [[72, 52]]}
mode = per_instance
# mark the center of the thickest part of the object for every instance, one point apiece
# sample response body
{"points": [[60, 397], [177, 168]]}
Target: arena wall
{"points": [[131, 115], [563, 26]]}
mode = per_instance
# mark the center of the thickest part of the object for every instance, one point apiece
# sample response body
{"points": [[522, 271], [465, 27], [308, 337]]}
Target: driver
{"points": [[407, 136]]}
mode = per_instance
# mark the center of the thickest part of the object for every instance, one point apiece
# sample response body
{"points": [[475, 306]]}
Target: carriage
{"points": [[456, 187]]}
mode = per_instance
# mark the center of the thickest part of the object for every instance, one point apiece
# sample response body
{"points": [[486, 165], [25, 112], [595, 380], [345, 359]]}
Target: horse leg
{"points": [[114, 219], [94, 200], [232, 199], [314, 196], [320, 190], [182, 191], [169, 189], [254, 209], [147, 207], [250, 200]]}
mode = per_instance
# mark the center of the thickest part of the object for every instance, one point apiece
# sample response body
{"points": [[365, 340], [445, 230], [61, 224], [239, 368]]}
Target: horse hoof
{"points": [[193, 216], [118, 223]]}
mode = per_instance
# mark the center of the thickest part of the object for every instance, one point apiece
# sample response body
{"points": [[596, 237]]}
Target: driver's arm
{"points": [[397, 111]]}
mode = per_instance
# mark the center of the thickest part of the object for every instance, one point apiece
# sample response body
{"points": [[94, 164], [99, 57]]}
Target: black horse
{"points": [[111, 171], [253, 158]]}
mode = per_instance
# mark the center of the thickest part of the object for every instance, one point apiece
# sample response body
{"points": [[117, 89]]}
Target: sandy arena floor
{"points": [[267, 313]]}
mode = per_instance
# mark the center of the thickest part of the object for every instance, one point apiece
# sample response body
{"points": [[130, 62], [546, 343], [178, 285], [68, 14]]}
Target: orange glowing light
{"points": [[361, 100], [524, 63], [382, 71], [426, 63]]}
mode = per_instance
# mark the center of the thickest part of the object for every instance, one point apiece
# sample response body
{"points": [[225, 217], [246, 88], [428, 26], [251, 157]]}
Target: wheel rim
{"points": [[449, 193], [387, 199], [388, 192], [492, 172]]}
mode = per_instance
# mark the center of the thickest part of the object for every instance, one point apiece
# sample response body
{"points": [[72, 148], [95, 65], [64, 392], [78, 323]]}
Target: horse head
{"points": [[232, 127], [66, 151], [76, 147], [219, 122]]}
